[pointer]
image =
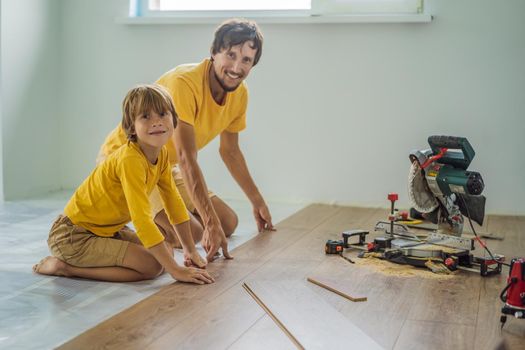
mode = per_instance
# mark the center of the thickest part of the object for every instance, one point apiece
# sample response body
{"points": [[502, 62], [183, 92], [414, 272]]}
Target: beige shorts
{"points": [[156, 201], [78, 247]]}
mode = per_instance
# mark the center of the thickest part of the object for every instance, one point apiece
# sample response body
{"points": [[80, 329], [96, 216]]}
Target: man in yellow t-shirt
{"points": [[210, 99]]}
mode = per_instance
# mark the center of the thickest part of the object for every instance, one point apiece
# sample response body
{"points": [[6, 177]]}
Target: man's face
{"points": [[231, 66]]}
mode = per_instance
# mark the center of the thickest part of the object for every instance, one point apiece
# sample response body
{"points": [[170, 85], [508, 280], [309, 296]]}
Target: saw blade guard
{"points": [[420, 195]]}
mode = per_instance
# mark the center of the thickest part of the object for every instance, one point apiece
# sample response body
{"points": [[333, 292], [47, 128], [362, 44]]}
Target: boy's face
{"points": [[153, 129], [231, 66]]}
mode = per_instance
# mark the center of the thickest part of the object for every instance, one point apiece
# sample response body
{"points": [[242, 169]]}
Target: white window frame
{"points": [[142, 10], [323, 11]]}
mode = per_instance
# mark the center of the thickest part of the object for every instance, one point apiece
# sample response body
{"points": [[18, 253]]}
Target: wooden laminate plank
{"points": [[263, 335], [273, 316], [216, 325], [431, 335], [442, 309], [185, 300], [313, 322], [336, 287], [454, 300], [135, 327], [308, 217], [512, 229]]}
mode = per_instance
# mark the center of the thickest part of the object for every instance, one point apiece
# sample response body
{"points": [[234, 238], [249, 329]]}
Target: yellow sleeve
{"points": [[238, 124], [132, 176], [173, 203], [184, 99]]}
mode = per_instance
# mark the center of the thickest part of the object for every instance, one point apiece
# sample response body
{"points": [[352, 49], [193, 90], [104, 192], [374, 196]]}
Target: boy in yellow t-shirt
{"points": [[91, 240]]}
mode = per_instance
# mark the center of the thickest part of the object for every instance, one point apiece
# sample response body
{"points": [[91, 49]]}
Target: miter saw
{"points": [[444, 191], [440, 185]]}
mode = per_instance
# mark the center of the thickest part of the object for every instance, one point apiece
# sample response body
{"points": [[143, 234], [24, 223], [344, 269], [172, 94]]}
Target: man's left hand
{"points": [[263, 218]]}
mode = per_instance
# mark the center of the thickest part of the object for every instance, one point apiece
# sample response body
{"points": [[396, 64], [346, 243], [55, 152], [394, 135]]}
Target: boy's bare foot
{"points": [[51, 266]]}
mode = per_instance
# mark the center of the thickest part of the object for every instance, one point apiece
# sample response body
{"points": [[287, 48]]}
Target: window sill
{"points": [[409, 18]]}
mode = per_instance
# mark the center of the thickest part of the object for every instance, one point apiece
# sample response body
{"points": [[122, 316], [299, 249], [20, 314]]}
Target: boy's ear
{"points": [[133, 133]]}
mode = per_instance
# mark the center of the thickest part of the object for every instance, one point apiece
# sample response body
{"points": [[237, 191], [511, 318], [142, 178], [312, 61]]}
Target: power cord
{"points": [[476, 235]]}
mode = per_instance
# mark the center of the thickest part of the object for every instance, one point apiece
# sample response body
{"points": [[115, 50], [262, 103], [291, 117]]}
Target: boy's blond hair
{"points": [[143, 99]]}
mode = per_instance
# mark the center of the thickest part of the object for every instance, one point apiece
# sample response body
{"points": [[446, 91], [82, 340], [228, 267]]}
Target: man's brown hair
{"points": [[143, 99], [238, 31]]}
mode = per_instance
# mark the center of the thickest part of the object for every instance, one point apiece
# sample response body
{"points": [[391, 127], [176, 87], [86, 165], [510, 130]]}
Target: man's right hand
{"points": [[213, 239]]}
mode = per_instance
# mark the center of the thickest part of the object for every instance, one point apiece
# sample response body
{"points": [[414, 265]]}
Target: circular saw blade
{"points": [[420, 195]]}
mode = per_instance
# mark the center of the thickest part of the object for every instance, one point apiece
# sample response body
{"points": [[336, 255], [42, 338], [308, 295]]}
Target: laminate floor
{"points": [[42, 312], [402, 311]]}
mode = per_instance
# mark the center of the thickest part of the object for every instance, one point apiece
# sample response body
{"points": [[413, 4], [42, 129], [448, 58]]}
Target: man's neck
{"points": [[217, 92]]}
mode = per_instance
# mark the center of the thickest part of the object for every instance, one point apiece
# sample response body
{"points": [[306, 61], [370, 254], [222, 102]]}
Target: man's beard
{"points": [[224, 86]]}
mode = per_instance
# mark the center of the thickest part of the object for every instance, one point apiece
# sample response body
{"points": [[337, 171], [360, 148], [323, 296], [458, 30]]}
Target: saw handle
{"points": [[437, 142], [430, 160]]}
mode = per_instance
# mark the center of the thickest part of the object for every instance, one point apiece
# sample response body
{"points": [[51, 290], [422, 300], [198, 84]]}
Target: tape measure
{"points": [[334, 247]]}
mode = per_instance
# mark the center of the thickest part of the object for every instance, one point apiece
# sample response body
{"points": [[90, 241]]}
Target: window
{"points": [[305, 7], [276, 11], [228, 5]]}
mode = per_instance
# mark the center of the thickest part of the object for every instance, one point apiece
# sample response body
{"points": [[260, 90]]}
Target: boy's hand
{"points": [[194, 259], [192, 275]]}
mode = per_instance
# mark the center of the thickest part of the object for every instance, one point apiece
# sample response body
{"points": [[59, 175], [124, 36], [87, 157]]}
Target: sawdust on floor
{"points": [[391, 269]]}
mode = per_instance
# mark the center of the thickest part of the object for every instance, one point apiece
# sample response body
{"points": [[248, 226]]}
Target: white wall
{"points": [[334, 108], [29, 84], [1, 109]]}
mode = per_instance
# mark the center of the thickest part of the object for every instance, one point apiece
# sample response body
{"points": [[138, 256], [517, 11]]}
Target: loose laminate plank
{"points": [[308, 318], [335, 287]]}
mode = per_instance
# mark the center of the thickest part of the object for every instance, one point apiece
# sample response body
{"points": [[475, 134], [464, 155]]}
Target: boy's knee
{"points": [[153, 271], [229, 223]]}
